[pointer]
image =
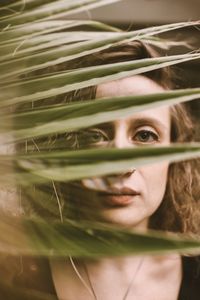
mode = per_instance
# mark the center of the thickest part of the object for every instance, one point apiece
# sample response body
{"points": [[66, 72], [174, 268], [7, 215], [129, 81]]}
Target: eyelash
{"points": [[151, 137], [99, 134], [86, 138], [149, 134]]}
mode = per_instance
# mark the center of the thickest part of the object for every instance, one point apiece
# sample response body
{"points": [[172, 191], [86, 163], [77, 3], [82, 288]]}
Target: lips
{"points": [[118, 197]]}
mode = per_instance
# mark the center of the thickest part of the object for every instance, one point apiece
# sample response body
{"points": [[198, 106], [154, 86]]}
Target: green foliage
{"points": [[33, 37]]}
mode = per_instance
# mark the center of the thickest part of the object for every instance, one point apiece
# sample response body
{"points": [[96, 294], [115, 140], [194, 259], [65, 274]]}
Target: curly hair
{"points": [[179, 210]]}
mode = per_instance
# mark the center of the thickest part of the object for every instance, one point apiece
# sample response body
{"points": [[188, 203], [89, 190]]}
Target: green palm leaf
{"points": [[85, 239], [20, 49], [48, 11], [47, 41], [37, 89], [74, 165], [25, 34], [68, 52], [66, 118]]}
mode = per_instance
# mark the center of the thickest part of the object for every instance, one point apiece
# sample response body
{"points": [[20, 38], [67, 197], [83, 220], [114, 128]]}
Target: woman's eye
{"points": [[79, 139], [93, 137], [86, 138], [146, 136]]}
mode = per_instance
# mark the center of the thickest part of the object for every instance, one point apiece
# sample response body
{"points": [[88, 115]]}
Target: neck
{"points": [[122, 265], [83, 276], [116, 278]]}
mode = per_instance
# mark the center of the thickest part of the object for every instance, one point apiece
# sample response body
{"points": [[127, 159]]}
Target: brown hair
{"points": [[179, 211]]}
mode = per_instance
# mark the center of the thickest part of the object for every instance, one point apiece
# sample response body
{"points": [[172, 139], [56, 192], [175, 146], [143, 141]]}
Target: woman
{"points": [[160, 196]]}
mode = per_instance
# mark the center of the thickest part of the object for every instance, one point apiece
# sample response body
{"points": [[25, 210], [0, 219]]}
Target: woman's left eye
{"points": [[146, 136]]}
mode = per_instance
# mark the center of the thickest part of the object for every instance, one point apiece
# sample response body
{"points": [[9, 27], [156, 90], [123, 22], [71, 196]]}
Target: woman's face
{"points": [[130, 199]]}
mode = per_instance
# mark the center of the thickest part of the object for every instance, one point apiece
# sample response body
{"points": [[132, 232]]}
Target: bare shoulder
{"points": [[167, 263], [163, 277]]}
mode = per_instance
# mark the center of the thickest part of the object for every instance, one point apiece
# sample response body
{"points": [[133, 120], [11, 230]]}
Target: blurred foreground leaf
{"points": [[73, 165], [84, 239]]}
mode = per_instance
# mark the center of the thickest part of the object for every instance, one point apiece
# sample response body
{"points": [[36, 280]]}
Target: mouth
{"points": [[110, 197], [118, 197]]}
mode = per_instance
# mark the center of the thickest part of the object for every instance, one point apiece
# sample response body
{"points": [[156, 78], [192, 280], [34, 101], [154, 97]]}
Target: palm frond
{"points": [[17, 66], [37, 89], [56, 8], [85, 239], [24, 34], [66, 118], [27, 46], [73, 165]]}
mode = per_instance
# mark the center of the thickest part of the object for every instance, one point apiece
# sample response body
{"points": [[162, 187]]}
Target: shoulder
{"points": [[25, 274]]}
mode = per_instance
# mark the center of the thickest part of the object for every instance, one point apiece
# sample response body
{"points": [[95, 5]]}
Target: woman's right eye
{"points": [[92, 137], [86, 138]]}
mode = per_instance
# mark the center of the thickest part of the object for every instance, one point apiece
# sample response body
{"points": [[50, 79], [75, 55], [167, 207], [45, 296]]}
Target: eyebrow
{"points": [[137, 121], [148, 121]]}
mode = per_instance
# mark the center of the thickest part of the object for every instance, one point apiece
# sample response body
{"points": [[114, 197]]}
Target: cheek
{"points": [[155, 180]]}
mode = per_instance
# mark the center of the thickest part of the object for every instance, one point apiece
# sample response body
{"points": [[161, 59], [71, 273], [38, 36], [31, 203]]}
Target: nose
{"points": [[120, 139], [113, 179]]}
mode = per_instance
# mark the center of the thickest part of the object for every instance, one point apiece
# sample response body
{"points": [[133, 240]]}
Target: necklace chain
{"points": [[91, 289]]}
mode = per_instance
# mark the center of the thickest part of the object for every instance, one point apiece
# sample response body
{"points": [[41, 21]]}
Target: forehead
{"points": [[136, 85]]}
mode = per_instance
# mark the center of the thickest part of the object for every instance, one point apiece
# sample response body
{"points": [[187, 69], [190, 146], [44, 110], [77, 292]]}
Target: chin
{"points": [[124, 217]]}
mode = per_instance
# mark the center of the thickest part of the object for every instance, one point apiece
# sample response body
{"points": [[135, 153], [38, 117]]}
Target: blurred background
{"points": [[136, 14], [148, 12]]}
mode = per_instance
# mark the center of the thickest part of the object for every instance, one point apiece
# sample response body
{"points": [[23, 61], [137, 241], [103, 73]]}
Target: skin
{"points": [[146, 128], [111, 277]]}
